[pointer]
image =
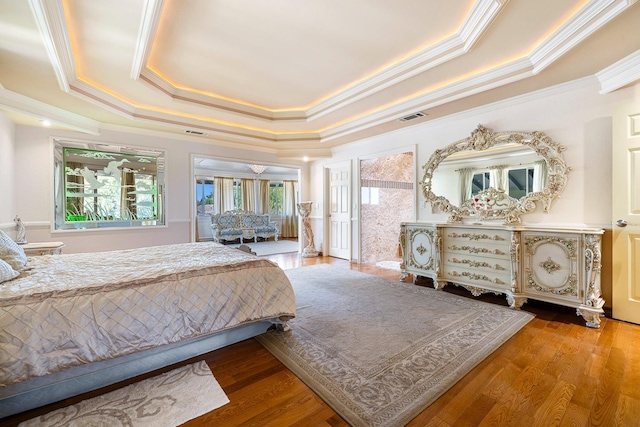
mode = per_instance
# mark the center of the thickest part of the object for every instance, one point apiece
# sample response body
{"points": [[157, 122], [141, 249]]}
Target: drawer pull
{"points": [[474, 236], [474, 276], [474, 250], [474, 263]]}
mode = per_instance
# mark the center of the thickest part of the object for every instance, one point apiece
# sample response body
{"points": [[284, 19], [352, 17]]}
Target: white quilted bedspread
{"points": [[67, 310]]}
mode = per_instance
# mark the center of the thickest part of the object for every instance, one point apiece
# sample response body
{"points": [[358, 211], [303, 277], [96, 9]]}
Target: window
{"points": [[204, 196], [480, 182], [520, 182], [100, 185], [276, 196], [237, 194], [370, 195]]}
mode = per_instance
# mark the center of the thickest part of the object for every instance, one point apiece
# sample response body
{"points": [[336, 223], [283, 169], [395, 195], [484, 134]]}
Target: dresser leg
{"points": [[591, 316], [516, 302], [439, 285]]}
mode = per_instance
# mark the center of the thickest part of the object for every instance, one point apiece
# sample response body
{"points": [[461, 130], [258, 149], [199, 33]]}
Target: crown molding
{"points": [[24, 105], [49, 16], [148, 28], [310, 154], [583, 24], [478, 20], [184, 95], [580, 26], [620, 74], [124, 109], [205, 139], [507, 73], [562, 88], [52, 25]]}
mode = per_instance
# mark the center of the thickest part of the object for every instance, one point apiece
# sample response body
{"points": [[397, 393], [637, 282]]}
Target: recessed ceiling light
{"points": [[45, 123], [305, 158]]}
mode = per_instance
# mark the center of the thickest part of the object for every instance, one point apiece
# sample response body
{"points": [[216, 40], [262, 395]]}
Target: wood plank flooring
{"points": [[554, 372]]}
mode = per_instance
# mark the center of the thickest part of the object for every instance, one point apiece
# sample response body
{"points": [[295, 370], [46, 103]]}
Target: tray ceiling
{"points": [[296, 78]]}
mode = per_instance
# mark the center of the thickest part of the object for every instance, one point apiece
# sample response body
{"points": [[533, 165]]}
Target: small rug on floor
{"points": [[169, 399], [390, 265], [270, 247], [379, 352]]}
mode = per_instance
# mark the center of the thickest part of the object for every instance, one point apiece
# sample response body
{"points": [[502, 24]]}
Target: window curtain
{"points": [[289, 210], [264, 196], [128, 208], [223, 194], [540, 173], [249, 194], [498, 177], [466, 175]]}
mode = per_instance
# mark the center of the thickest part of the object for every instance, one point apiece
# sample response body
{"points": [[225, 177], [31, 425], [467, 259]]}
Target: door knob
{"points": [[621, 223]]}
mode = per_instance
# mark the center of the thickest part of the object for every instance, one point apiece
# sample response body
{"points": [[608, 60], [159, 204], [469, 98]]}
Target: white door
{"points": [[626, 213], [339, 212]]}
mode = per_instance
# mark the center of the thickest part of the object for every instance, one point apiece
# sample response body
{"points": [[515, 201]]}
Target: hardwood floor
{"points": [[555, 371]]}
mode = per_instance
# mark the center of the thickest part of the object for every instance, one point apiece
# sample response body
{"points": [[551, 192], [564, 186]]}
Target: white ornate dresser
{"points": [[500, 176], [556, 265]]}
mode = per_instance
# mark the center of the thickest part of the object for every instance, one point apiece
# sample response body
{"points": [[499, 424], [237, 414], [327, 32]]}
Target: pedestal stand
{"points": [[304, 208]]}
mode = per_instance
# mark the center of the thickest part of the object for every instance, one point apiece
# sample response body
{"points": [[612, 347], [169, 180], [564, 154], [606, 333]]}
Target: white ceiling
{"points": [[296, 78], [217, 167]]}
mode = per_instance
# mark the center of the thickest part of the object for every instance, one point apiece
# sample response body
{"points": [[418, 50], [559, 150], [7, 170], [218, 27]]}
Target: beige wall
{"points": [[31, 157], [573, 114], [7, 186]]}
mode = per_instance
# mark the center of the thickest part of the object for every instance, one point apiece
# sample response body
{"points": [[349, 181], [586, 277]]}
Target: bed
{"points": [[73, 323]]}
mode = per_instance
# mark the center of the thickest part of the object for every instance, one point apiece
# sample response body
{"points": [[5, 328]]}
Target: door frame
{"points": [[413, 150]]}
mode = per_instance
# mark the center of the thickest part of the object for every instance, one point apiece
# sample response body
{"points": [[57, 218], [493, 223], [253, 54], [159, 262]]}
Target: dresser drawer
{"points": [[493, 243], [474, 271], [477, 257]]}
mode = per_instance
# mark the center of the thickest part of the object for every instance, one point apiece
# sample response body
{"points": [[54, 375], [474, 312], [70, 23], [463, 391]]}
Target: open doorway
{"points": [[245, 192], [387, 198]]}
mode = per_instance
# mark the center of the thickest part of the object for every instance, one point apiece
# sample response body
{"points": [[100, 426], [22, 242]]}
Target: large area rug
{"points": [[169, 399], [379, 352], [270, 247]]}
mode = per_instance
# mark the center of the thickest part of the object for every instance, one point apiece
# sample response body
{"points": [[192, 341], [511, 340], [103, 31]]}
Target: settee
{"points": [[239, 224]]}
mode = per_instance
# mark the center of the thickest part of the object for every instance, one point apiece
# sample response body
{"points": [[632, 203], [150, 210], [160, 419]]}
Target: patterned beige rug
{"points": [[170, 399], [379, 352]]}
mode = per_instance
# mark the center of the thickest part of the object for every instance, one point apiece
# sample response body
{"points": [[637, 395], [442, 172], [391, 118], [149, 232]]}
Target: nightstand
{"points": [[42, 248]]}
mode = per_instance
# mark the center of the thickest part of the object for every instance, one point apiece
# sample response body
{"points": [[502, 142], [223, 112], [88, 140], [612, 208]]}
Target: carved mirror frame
{"points": [[509, 209]]}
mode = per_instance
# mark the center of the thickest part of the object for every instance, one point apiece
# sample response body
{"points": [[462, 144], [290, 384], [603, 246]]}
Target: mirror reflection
{"points": [[99, 185], [495, 175], [513, 169]]}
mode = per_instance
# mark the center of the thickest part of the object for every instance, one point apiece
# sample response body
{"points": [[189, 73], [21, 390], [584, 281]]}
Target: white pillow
{"points": [[11, 252], [6, 272]]}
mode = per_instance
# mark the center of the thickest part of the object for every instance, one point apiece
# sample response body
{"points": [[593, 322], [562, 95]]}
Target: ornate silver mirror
{"points": [[495, 175]]}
